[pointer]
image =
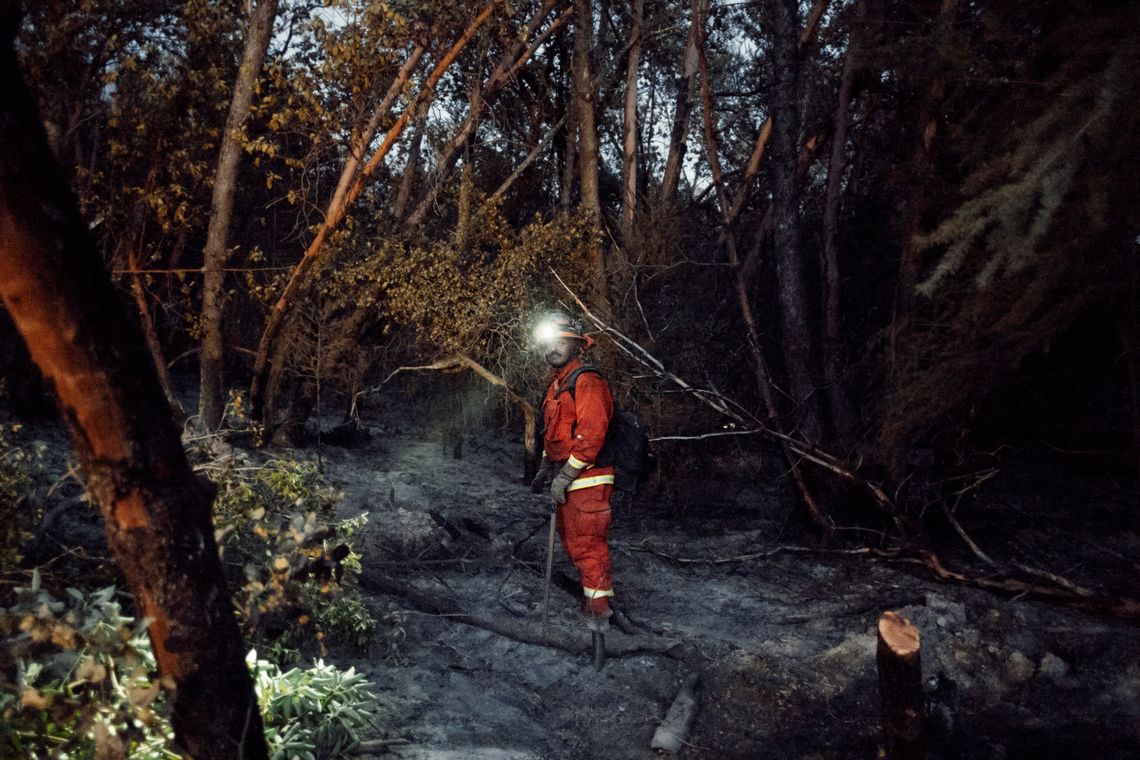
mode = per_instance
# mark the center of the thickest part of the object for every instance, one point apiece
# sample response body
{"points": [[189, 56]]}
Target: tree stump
{"points": [[900, 688]]}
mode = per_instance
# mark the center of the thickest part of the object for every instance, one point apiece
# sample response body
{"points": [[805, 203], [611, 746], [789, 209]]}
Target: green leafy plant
{"points": [[18, 468], [276, 526], [314, 713], [86, 687], [85, 684], [343, 618]]}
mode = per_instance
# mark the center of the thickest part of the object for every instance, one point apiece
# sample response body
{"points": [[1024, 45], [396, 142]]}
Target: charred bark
{"points": [[411, 169], [584, 93], [211, 401], [795, 330], [138, 292], [759, 362], [832, 342], [157, 512], [678, 136], [629, 145]]}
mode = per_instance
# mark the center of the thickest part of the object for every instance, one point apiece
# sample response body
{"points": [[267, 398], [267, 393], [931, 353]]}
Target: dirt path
{"points": [[782, 642]]}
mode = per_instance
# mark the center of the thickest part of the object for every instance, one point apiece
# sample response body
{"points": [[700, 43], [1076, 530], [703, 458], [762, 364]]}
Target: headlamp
{"points": [[557, 326], [547, 332]]}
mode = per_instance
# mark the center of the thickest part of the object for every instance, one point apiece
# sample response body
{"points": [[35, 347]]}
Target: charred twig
{"points": [[963, 534], [645, 546]]}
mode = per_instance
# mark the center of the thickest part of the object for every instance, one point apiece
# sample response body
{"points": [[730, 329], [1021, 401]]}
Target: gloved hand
{"points": [[561, 482], [539, 483]]}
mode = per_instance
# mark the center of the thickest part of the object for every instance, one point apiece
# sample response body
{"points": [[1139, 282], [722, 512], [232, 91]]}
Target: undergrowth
{"points": [[80, 680]]}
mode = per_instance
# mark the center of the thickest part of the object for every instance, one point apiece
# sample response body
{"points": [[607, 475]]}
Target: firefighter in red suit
{"points": [[574, 429]]}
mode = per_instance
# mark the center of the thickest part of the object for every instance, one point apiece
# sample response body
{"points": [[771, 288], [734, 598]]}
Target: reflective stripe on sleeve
{"points": [[596, 480], [596, 593], [577, 463]]}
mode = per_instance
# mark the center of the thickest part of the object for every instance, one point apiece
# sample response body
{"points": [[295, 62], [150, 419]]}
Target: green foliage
{"points": [[277, 522], [1014, 208], [86, 688], [1039, 234], [18, 468], [314, 713], [476, 300], [85, 683]]}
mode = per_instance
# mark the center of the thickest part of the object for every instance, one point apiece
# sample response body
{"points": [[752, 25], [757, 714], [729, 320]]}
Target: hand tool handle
{"points": [[549, 571]]}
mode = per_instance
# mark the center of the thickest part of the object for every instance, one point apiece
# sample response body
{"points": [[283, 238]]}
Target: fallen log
{"points": [[575, 642], [670, 735], [900, 688]]}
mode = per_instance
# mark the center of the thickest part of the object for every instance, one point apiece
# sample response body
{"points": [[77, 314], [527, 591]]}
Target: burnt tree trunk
{"points": [[583, 96], [900, 688], [839, 406], [1129, 332], [629, 142], [480, 96], [211, 383], [678, 135], [157, 512], [795, 330], [138, 292], [411, 169]]}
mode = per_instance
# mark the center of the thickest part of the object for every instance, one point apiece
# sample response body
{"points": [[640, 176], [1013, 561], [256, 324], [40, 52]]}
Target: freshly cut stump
{"points": [[900, 687]]}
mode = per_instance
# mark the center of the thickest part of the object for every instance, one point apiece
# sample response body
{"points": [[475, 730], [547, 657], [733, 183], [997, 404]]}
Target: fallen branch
{"points": [[459, 361], [645, 546], [949, 513], [1065, 592], [670, 735], [738, 414], [575, 642], [375, 746]]}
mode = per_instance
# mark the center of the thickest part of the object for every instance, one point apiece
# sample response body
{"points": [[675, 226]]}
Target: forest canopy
{"points": [[889, 233]]}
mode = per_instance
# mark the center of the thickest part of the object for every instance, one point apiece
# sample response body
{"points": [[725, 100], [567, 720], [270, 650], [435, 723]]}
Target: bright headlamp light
{"points": [[547, 332]]}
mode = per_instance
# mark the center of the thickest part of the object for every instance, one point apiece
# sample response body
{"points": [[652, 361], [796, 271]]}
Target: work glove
{"points": [[561, 482], [539, 483]]}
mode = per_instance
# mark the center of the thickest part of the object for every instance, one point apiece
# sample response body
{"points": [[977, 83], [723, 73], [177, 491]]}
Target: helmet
{"points": [[559, 325]]}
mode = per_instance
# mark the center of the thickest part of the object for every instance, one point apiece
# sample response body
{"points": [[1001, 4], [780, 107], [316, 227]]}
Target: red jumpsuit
{"points": [[575, 429]]}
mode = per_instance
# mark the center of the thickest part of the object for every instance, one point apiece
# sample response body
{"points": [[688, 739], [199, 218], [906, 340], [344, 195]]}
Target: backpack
{"points": [[627, 442]]}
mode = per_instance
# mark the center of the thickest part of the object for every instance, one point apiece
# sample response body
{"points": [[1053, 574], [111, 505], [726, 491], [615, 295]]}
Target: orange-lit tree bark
{"points": [[211, 382], [157, 512], [351, 186]]}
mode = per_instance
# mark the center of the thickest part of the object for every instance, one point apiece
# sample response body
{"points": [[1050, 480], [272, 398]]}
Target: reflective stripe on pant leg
{"points": [[586, 520]]}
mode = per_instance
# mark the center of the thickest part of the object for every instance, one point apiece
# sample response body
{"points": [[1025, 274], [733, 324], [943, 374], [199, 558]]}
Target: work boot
{"points": [[598, 613]]}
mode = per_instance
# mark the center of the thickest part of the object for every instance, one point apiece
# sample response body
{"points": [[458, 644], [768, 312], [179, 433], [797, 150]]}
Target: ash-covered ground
{"points": [[715, 576], [712, 577]]}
